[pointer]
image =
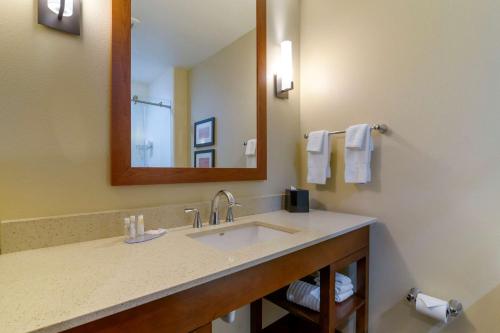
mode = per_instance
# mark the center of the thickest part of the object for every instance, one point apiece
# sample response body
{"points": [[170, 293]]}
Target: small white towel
{"points": [[355, 136], [342, 297], [251, 148], [302, 293], [318, 161], [251, 153], [340, 279], [358, 160]]}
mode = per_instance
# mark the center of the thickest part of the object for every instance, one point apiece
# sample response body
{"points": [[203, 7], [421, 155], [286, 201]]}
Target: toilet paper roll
{"points": [[433, 307]]}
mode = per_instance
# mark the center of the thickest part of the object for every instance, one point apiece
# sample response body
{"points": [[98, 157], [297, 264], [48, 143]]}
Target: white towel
{"points": [[357, 160], [342, 297], [355, 136], [300, 292], [318, 161], [339, 297], [251, 153], [340, 279]]}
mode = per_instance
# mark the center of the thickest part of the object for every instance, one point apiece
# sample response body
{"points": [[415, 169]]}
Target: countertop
{"points": [[57, 288]]}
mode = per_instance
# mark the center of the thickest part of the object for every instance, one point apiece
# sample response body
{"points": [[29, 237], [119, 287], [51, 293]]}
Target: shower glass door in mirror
{"points": [[194, 79]]}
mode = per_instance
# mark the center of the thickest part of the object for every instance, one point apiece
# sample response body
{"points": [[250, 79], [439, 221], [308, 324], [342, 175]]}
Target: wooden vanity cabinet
{"points": [[194, 309]]}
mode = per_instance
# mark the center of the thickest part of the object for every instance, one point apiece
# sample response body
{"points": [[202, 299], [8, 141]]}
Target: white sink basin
{"points": [[241, 235]]}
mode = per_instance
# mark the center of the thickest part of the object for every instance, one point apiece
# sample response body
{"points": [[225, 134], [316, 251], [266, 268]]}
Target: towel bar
{"points": [[382, 128]]}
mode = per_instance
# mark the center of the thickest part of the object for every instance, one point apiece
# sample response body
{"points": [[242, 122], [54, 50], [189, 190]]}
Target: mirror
{"points": [[188, 91], [194, 99]]}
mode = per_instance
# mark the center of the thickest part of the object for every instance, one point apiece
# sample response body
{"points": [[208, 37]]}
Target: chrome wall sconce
{"points": [[62, 15], [283, 80]]}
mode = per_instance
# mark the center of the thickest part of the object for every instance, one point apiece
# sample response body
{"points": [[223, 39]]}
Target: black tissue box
{"points": [[297, 201]]}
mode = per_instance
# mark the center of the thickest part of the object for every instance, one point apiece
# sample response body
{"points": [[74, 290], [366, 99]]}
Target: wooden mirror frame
{"points": [[122, 172]]}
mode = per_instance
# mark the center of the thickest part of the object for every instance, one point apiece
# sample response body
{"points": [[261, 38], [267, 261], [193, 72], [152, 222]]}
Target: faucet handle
{"points": [[230, 215], [197, 219]]}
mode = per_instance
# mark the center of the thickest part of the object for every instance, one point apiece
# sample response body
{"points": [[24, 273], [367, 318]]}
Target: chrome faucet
{"points": [[214, 211]]}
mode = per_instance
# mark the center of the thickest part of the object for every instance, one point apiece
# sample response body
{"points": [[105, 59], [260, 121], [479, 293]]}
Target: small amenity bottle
{"points": [[132, 233], [140, 225], [126, 227]]}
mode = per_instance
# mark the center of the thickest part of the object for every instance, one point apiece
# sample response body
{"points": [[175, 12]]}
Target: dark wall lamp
{"points": [[62, 15]]}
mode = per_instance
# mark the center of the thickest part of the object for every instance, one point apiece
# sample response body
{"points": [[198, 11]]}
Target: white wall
{"points": [[430, 70], [159, 121]]}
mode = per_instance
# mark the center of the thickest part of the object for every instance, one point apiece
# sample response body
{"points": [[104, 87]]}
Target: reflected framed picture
{"points": [[204, 132], [204, 158]]}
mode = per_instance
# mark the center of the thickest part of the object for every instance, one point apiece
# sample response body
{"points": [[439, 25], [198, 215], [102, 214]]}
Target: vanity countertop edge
{"points": [[53, 289]]}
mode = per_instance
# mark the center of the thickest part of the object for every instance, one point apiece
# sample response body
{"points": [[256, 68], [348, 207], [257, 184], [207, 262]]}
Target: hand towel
{"points": [[251, 153], [357, 160], [355, 136], [318, 161], [301, 293], [342, 297], [339, 289], [340, 279], [339, 296]]}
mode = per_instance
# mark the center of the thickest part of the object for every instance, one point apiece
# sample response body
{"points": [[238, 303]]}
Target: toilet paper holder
{"points": [[454, 307]]}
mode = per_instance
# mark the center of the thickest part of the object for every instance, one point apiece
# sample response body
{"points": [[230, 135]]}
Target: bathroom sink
{"points": [[241, 235]]}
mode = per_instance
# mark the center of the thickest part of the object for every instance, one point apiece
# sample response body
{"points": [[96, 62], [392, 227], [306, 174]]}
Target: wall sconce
{"points": [[283, 80], [62, 15]]}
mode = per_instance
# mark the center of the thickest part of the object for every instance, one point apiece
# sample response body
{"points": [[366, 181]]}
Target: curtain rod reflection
{"points": [[136, 100]]}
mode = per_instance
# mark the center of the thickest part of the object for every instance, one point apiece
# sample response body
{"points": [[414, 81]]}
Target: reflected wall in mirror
{"points": [[191, 61]]}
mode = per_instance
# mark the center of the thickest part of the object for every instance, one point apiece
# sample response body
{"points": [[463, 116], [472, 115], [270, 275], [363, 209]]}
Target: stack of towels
{"points": [[308, 295]]}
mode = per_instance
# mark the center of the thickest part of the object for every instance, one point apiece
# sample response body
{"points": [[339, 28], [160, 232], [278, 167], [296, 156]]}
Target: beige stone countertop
{"points": [[57, 288]]}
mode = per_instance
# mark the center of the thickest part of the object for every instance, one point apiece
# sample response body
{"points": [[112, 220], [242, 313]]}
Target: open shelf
{"points": [[292, 324], [342, 310]]}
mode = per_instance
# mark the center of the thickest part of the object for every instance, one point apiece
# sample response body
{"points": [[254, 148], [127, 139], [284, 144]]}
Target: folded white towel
{"points": [[318, 161], [355, 136], [339, 296], [251, 148], [341, 278], [358, 160], [251, 153], [342, 297], [342, 288], [302, 293]]}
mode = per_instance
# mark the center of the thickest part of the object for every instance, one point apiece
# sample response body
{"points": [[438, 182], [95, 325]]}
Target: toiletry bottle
{"points": [[132, 233], [140, 225], [126, 227], [133, 221]]}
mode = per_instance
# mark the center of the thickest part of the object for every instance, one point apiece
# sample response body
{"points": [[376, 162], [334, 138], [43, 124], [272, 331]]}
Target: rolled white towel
{"points": [[302, 293]]}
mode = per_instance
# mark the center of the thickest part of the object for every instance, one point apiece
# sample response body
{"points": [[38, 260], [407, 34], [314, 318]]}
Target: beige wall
{"points": [[54, 122], [430, 70], [223, 86], [182, 142]]}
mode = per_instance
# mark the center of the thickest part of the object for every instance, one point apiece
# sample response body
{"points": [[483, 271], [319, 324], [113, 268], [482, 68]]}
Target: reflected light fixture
{"points": [[62, 15], [283, 80]]}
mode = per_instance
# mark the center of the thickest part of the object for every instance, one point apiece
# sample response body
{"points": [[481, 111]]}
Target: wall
{"points": [[182, 118], [223, 86], [430, 70], [55, 151], [55, 155]]}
